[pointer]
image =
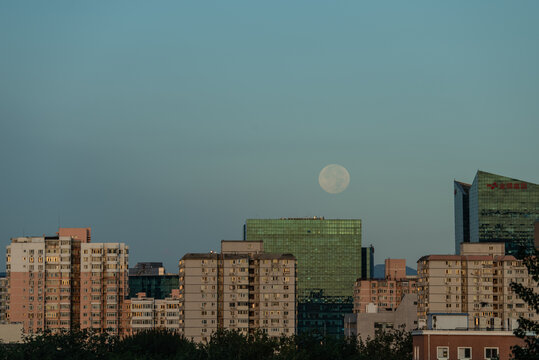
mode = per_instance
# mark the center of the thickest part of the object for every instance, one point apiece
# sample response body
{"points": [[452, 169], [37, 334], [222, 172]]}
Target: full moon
{"points": [[334, 179]]}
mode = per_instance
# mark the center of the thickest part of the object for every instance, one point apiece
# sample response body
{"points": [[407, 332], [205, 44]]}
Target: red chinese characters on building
{"points": [[505, 186]]}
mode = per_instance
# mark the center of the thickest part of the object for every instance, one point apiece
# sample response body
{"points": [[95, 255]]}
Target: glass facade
{"points": [[367, 262], [328, 254], [503, 209], [155, 286], [462, 214]]}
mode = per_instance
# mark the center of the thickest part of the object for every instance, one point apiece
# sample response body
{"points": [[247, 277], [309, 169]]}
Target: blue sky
{"points": [[166, 124]]}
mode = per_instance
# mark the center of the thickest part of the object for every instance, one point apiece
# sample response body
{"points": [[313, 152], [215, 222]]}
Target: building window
{"points": [[465, 353], [442, 352], [416, 352], [491, 353]]}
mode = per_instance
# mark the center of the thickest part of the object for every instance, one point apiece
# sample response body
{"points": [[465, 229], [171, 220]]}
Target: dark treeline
{"points": [[160, 344]]}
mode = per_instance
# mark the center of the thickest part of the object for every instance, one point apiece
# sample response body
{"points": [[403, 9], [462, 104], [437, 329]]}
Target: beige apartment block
{"points": [[104, 285], [148, 313], [476, 282], [49, 285], [242, 289], [198, 294], [384, 294]]}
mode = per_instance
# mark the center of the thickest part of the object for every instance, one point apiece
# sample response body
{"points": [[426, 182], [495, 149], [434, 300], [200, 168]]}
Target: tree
{"points": [[223, 345], [81, 345], [394, 344], [528, 329], [230, 344], [156, 344]]}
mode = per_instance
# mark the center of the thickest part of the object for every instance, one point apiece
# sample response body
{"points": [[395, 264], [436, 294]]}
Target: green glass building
{"points": [[496, 208], [151, 278], [155, 286], [329, 261]]}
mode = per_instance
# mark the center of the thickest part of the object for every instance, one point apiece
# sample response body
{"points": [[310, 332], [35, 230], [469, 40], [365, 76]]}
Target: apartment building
{"points": [[64, 281], [147, 313], [104, 285], [242, 289], [476, 282], [387, 293]]}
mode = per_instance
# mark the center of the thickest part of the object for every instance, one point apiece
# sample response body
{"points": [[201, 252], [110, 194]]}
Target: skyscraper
{"points": [[329, 261], [496, 208], [462, 214]]}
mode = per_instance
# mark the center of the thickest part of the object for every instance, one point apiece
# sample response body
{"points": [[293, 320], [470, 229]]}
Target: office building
{"points": [[476, 282], [243, 288], [151, 279], [329, 256], [496, 208], [65, 281], [367, 262], [384, 294]]}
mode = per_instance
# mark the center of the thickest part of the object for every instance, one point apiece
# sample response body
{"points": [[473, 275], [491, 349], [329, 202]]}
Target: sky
{"points": [[165, 125]]}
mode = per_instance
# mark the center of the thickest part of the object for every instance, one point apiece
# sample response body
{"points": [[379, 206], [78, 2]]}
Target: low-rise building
{"points": [[385, 293], [364, 325], [447, 337], [148, 313]]}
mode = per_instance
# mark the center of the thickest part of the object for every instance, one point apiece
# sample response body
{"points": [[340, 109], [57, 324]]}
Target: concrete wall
{"points": [[11, 333], [405, 314]]}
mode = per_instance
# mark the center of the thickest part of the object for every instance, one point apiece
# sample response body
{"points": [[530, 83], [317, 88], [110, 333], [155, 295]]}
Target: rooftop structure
{"points": [[447, 337], [152, 279], [366, 324], [147, 269]]}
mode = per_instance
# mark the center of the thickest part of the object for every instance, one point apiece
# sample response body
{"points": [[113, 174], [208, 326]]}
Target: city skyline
{"points": [[165, 128]]}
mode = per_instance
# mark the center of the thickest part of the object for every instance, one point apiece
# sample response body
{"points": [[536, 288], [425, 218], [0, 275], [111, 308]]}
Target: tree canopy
{"points": [[527, 328], [223, 345]]}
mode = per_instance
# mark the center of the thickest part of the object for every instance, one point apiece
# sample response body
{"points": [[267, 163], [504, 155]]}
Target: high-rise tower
{"points": [[329, 261], [496, 208]]}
